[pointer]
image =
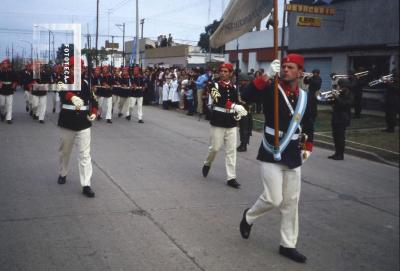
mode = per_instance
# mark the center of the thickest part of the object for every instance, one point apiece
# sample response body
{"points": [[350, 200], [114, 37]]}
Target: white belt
{"points": [[224, 110], [73, 107], [7, 83], [271, 131]]}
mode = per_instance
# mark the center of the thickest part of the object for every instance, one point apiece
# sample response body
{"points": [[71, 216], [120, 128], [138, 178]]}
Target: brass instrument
{"points": [[329, 95], [336, 77], [383, 79]]}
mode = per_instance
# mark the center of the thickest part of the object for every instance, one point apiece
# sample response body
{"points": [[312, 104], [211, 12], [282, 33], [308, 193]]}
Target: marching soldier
{"points": [[136, 96], [115, 83], [39, 97], [126, 90], [105, 94], [281, 169], [8, 83], [27, 82], [78, 111], [245, 123], [225, 105]]}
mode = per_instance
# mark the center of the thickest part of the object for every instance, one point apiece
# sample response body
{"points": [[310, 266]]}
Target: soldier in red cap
{"points": [[281, 167], [105, 93], [8, 83], [225, 113], [78, 111], [27, 82]]}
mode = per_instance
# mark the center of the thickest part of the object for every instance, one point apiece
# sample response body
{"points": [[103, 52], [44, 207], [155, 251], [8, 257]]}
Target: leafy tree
{"points": [[204, 41]]}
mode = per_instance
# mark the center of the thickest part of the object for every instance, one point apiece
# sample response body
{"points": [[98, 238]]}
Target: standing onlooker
{"points": [[201, 83]]}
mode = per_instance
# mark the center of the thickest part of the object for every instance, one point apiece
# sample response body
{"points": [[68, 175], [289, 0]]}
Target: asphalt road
{"points": [[153, 210]]}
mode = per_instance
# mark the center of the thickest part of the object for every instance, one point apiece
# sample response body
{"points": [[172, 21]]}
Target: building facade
{"points": [[360, 34]]}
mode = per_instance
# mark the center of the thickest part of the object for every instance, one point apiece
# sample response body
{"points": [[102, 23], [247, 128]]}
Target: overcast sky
{"points": [[184, 19]]}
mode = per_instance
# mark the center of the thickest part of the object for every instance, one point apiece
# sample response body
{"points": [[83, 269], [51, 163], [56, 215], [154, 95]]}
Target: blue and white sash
{"points": [[297, 116]]}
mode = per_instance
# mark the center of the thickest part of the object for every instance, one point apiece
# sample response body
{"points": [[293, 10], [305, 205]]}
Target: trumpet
{"points": [[383, 79], [345, 76], [328, 95], [361, 74], [339, 76]]}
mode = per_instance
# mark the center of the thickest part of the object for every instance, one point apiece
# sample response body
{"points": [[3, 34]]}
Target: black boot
{"points": [[3, 117], [245, 228], [233, 183], [88, 192], [62, 179], [119, 115], [109, 121], [128, 117], [242, 148], [205, 170], [292, 254]]}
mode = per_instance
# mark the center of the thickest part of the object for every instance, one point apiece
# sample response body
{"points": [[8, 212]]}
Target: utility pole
{"points": [[49, 46], [123, 44], [123, 41], [137, 33], [142, 23], [97, 31], [112, 51]]}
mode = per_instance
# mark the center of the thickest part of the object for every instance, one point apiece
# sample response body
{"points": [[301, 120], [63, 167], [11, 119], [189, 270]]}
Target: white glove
{"points": [[274, 68], [305, 155], [239, 109], [78, 102], [92, 117]]}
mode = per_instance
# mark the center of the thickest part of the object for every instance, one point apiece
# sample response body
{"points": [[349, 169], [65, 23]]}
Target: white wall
{"points": [[257, 39]]}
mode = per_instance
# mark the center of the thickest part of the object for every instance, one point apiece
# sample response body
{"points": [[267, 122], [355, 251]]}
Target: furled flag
{"points": [[239, 17]]}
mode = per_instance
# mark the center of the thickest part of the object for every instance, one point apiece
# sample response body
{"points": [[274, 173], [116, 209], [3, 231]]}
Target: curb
{"points": [[356, 152]]}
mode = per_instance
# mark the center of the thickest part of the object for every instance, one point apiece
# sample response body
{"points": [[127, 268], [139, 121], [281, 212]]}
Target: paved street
{"points": [[153, 210]]}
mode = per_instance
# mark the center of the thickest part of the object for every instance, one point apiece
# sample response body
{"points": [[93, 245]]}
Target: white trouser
{"points": [[108, 104], [39, 104], [82, 140], [55, 99], [281, 190], [226, 136], [160, 95], [132, 102], [200, 100], [115, 101], [6, 102], [28, 99], [122, 105]]}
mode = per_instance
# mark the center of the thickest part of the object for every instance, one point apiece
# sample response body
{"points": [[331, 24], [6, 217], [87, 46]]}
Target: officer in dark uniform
{"points": [[225, 107], [8, 84], [314, 85], [78, 111], [392, 102], [359, 83], [246, 122], [341, 115]]}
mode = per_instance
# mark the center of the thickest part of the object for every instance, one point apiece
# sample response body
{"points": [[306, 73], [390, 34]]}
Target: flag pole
{"points": [[276, 79]]}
